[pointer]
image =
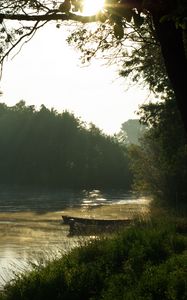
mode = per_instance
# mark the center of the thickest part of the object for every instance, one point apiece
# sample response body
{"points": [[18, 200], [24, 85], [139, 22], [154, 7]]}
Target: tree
{"points": [[52, 149], [159, 163], [168, 19], [131, 131]]}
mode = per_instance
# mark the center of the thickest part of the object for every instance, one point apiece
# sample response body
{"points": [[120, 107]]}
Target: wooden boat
{"points": [[88, 221], [84, 226]]}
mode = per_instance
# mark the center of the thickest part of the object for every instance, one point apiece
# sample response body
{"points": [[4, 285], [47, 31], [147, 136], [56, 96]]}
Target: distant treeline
{"points": [[47, 148]]}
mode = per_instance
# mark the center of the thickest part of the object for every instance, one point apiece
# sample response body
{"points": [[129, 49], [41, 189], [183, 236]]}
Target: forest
{"points": [[148, 260], [150, 40], [46, 148]]}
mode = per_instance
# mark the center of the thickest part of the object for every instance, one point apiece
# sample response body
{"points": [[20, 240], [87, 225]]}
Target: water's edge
{"points": [[31, 221]]}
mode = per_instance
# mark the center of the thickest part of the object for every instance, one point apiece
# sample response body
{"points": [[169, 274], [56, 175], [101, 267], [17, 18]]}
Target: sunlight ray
{"points": [[92, 7]]}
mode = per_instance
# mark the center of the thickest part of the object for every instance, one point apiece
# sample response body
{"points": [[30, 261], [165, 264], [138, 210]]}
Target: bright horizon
{"points": [[48, 71]]}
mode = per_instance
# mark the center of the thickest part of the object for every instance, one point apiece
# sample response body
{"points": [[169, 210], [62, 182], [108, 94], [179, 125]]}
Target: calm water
{"points": [[30, 221]]}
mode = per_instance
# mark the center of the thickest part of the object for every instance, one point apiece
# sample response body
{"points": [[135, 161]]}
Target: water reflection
{"points": [[30, 220], [26, 199]]}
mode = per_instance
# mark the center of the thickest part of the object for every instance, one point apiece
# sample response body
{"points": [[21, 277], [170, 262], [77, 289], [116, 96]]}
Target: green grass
{"points": [[145, 262]]}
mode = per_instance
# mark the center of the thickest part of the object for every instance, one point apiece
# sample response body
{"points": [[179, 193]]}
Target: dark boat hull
{"points": [[82, 226]]}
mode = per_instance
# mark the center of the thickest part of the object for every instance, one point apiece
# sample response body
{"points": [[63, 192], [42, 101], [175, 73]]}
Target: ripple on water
{"points": [[30, 221]]}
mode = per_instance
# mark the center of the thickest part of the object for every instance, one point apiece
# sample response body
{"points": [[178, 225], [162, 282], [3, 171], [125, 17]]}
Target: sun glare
{"points": [[91, 7]]}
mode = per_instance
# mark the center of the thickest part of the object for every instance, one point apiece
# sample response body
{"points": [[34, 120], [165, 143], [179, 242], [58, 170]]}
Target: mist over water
{"points": [[31, 221], [16, 199]]}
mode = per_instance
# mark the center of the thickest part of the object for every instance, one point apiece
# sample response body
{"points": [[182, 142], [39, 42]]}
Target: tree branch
{"points": [[28, 34], [49, 17]]}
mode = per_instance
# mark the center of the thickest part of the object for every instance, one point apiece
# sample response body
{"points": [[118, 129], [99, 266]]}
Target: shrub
{"points": [[145, 262]]}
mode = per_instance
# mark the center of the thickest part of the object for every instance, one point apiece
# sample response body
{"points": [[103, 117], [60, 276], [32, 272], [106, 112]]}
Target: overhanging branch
{"points": [[49, 17], [52, 15]]}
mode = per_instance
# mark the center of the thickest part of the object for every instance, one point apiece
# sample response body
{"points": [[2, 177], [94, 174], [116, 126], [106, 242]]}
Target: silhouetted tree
{"points": [[160, 162], [131, 131], [166, 19], [48, 148]]}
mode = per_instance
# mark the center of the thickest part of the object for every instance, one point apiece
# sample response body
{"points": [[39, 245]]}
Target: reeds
{"points": [[147, 261]]}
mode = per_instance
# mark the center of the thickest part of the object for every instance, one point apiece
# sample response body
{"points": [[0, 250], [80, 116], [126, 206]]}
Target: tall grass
{"points": [[145, 262]]}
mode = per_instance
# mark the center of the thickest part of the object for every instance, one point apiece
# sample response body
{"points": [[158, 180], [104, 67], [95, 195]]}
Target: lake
{"points": [[31, 224]]}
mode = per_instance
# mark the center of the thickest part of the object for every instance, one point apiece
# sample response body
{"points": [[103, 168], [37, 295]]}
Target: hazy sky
{"points": [[48, 71]]}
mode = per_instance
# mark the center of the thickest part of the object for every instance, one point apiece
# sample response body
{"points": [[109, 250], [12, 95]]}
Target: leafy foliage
{"points": [[147, 261], [48, 148], [134, 48], [131, 131], [160, 162], [138, 33]]}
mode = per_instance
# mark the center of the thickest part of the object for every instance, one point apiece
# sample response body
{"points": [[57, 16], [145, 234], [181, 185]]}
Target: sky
{"points": [[48, 71]]}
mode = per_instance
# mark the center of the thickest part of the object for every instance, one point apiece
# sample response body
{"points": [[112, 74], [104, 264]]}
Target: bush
{"points": [[147, 261]]}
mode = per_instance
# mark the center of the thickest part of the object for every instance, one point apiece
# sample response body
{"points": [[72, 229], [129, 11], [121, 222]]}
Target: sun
{"points": [[92, 7]]}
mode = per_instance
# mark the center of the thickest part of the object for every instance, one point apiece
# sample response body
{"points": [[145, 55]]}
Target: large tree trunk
{"points": [[173, 50]]}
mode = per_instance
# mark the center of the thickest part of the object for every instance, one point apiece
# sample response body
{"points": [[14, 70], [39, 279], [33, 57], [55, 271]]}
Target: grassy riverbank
{"points": [[147, 261]]}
